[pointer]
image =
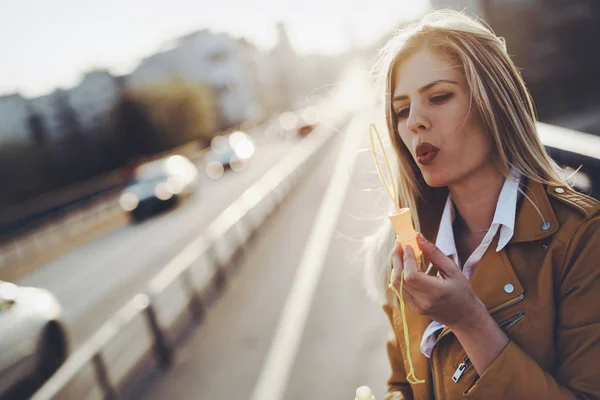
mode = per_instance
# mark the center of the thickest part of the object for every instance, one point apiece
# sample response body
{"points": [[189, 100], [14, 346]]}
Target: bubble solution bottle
{"points": [[364, 393], [405, 232]]}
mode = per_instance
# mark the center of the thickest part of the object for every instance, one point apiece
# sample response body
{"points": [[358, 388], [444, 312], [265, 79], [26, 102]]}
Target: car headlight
{"points": [[244, 149], [129, 201], [162, 191], [174, 185], [214, 169]]}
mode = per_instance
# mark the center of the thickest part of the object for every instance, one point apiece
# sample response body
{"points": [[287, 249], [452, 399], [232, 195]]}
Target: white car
{"points": [[33, 340]]}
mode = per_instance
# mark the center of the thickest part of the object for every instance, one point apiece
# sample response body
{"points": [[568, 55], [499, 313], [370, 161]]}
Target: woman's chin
{"points": [[435, 178]]}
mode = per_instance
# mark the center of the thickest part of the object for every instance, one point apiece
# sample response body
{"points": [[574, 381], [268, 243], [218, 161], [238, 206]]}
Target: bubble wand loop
{"points": [[405, 233], [391, 188]]}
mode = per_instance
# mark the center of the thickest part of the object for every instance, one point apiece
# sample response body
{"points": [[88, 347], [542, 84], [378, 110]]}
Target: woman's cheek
{"points": [[406, 139]]}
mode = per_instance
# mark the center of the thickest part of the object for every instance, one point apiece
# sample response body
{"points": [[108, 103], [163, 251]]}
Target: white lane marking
{"points": [[279, 362]]}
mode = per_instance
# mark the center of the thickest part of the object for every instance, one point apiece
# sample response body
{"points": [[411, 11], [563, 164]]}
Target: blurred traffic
{"points": [[158, 185], [232, 151]]}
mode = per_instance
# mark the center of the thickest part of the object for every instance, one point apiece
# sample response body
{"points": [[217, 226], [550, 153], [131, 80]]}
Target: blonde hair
{"points": [[498, 96]]}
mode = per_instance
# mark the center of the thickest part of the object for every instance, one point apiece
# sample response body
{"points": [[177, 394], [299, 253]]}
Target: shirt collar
{"points": [[506, 209], [504, 217]]}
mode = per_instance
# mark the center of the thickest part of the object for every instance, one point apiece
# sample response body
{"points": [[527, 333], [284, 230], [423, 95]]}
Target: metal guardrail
{"points": [[143, 329], [75, 220]]}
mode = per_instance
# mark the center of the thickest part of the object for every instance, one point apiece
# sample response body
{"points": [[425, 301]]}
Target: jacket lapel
{"points": [[494, 280], [535, 217]]}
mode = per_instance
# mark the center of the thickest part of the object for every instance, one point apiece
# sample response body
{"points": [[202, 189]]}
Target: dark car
{"points": [[158, 185]]}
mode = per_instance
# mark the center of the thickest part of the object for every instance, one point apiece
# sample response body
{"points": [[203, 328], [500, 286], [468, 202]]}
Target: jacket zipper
{"points": [[509, 304], [509, 323], [432, 376], [461, 369], [504, 325]]}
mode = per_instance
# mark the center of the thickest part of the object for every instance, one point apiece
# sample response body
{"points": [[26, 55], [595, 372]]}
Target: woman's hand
{"points": [[446, 298]]}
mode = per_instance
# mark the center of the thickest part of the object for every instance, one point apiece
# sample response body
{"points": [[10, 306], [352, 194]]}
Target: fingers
{"points": [[397, 256], [398, 249], [415, 280], [410, 264], [410, 299], [442, 263], [396, 270]]}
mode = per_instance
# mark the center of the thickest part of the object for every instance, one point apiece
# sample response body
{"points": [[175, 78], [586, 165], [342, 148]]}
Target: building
{"points": [[214, 59], [93, 98], [45, 108], [14, 114], [83, 110], [287, 80]]}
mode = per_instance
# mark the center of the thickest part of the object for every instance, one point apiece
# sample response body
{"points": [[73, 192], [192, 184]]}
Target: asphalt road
{"points": [[92, 281], [342, 343]]}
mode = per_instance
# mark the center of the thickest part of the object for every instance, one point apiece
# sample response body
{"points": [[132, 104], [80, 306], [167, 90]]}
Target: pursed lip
{"points": [[426, 153]]}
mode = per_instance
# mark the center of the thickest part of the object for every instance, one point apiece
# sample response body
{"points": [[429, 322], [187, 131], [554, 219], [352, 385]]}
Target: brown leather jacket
{"points": [[552, 316]]}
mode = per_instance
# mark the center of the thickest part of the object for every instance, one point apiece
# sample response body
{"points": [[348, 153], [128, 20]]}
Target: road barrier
{"points": [[142, 333]]}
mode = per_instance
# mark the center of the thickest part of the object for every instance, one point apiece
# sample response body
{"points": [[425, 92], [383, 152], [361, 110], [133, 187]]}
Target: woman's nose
{"points": [[417, 121]]}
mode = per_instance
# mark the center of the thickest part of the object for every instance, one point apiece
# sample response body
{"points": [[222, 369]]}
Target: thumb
{"points": [[443, 263]]}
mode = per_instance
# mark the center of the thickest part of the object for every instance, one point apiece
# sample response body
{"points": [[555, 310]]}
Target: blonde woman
{"points": [[507, 304]]}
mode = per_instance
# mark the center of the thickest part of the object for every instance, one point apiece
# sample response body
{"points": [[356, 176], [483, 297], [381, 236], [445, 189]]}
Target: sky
{"points": [[46, 44]]}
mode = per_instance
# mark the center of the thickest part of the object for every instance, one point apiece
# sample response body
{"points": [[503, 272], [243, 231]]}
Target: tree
{"points": [[37, 128], [159, 117]]}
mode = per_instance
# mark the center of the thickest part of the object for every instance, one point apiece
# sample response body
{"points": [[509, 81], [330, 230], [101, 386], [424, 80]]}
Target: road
{"points": [[342, 344], [92, 281]]}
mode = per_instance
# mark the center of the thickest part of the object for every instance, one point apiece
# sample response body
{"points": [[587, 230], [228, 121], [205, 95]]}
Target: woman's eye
{"points": [[442, 98], [402, 114]]}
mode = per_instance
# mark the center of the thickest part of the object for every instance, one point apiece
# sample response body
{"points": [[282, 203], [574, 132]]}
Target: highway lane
{"points": [[95, 279], [343, 341]]}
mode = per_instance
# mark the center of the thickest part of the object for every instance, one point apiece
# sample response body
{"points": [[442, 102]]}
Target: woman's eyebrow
{"points": [[426, 87]]}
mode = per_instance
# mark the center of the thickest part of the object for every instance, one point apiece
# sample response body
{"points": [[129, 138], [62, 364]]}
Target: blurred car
{"points": [[33, 339], [230, 151], [158, 185]]}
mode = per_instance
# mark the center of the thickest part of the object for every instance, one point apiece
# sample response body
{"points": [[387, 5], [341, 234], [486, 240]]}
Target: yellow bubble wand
{"points": [[401, 219]]}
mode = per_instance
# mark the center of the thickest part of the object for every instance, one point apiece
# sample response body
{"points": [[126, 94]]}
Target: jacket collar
{"points": [[535, 219], [530, 219]]}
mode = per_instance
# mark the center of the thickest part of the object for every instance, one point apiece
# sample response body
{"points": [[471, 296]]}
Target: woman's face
{"points": [[430, 99]]}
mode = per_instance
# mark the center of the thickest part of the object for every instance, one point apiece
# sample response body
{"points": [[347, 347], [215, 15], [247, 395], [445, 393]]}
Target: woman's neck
{"points": [[475, 199]]}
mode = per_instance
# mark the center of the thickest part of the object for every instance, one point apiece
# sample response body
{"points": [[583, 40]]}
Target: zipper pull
{"points": [[459, 371]]}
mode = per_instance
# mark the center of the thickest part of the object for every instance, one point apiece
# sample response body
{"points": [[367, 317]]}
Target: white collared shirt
{"points": [[504, 220]]}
